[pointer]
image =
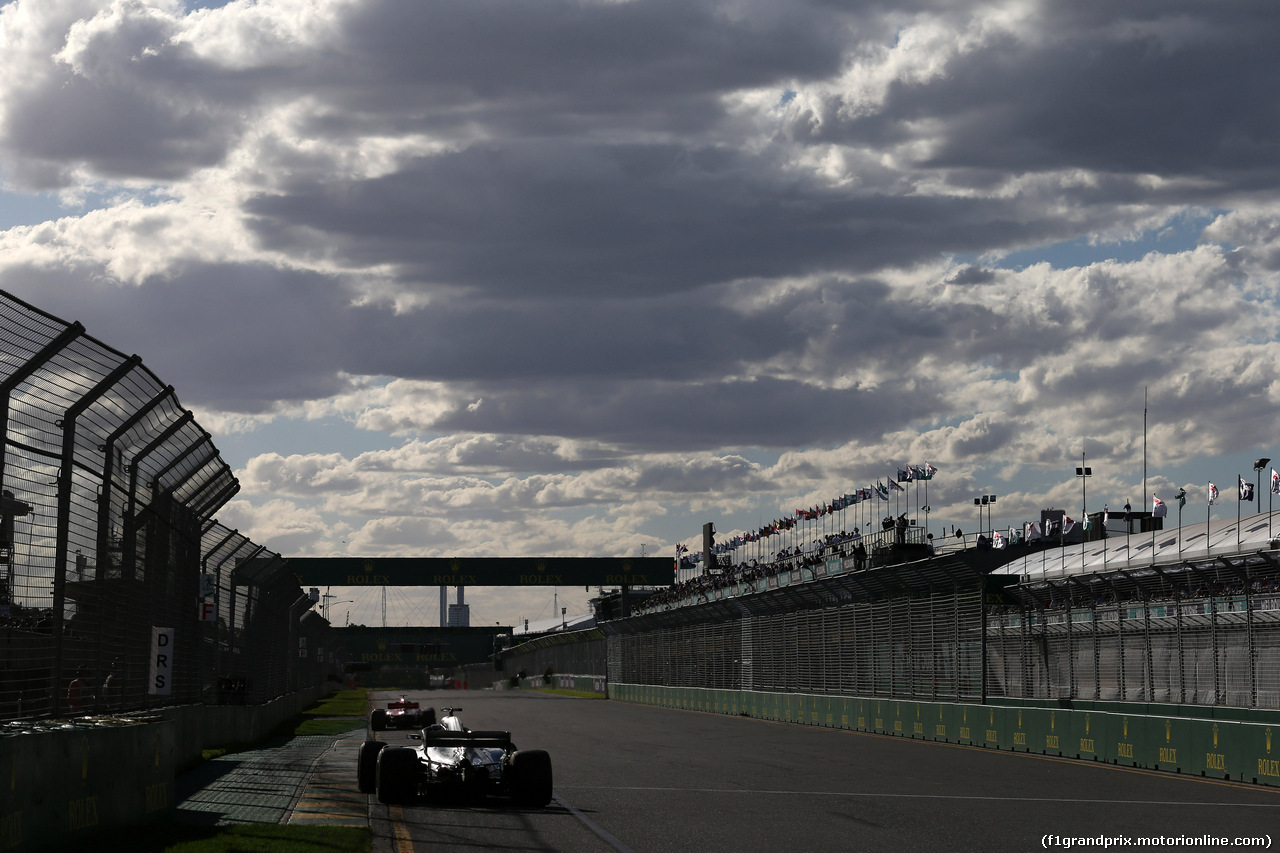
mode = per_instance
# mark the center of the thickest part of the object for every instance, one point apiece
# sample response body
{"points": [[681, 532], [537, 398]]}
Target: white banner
{"points": [[161, 661]]}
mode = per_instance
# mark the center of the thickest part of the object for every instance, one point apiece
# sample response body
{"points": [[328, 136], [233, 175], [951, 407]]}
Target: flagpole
{"points": [[1180, 531], [1239, 500], [926, 501], [1106, 516], [1144, 445], [1208, 514]]}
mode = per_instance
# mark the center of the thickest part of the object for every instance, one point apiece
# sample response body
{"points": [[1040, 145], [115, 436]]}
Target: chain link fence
{"points": [[573, 653], [1216, 650], [1202, 633], [925, 646], [106, 533]]}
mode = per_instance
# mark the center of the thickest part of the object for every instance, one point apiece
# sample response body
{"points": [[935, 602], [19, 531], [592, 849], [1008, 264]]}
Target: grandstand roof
{"points": [[1190, 543]]}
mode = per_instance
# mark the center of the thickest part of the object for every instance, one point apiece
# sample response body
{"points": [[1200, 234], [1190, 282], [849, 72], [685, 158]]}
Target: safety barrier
{"points": [[71, 780], [1236, 746], [76, 780]]}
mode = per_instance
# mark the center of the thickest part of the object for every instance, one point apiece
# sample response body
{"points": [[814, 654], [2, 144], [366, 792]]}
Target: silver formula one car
{"points": [[453, 759]]}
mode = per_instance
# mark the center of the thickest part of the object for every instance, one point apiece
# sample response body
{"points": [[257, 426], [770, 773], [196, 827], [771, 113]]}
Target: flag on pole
{"points": [[1246, 489], [1275, 482], [1106, 515], [1181, 498], [1158, 509], [1213, 494], [930, 470], [894, 485], [904, 475]]}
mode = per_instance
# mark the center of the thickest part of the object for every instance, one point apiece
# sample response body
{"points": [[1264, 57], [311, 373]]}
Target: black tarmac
{"points": [[637, 778]]}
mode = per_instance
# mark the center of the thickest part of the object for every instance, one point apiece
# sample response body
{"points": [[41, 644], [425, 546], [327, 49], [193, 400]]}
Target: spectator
{"points": [[111, 687], [79, 693]]}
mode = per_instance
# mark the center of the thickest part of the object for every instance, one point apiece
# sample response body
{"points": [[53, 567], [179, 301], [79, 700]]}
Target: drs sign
{"points": [[161, 661]]}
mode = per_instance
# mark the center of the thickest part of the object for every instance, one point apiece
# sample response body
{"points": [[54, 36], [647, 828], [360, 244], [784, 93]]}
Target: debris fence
{"points": [[118, 589]]}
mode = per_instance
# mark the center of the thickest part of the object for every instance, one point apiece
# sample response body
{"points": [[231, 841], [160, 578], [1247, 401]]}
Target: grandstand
{"points": [[1171, 638]]}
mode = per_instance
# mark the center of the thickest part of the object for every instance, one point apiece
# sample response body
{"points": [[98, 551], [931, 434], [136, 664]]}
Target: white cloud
{"points": [[588, 274]]}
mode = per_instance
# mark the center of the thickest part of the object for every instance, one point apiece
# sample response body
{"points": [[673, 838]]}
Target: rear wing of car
{"points": [[472, 739]]}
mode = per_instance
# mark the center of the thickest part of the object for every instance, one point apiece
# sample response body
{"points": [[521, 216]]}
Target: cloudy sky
{"points": [[573, 277]]}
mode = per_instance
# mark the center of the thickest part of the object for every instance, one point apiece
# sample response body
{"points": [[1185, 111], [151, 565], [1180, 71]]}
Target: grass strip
{"points": [[328, 727], [353, 702]]}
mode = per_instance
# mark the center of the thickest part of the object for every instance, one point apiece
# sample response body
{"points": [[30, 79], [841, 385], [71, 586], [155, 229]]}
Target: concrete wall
{"points": [[201, 727], [60, 781], [1244, 749]]}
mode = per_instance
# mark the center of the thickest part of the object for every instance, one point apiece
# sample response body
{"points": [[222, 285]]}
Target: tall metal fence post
{"points": [[1213, 639], [62, 536], [982, 600], [1146, 631]]}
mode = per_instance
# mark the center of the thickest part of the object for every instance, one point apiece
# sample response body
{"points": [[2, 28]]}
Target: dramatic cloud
{"points": [[574, 277]]}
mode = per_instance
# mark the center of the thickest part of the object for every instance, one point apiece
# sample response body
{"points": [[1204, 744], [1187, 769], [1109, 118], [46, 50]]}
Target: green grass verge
{"points": [[328, 727], [581, 694], [244, 838], [344, 703]]}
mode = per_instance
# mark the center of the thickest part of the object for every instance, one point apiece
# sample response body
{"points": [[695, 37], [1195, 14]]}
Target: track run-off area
{"points": [[645, 779]]}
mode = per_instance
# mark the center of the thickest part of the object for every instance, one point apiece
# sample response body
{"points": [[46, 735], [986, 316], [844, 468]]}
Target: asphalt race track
{"points": [[637, 778]]}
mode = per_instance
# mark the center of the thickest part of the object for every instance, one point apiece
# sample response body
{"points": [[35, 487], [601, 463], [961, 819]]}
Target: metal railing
{"points": [[109, 488]]}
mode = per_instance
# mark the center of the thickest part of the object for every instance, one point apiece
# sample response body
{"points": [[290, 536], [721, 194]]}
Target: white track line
{"points": [[595, 827], [740, 791]]}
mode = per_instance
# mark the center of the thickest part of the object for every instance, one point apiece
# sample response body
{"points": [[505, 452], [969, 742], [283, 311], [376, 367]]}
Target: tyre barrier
{"points": [[1242, 749]]}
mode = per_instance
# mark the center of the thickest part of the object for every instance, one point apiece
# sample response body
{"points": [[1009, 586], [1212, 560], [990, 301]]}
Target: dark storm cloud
{"points": [[654, 415], [624, 63], [972, 275], [231, 336], [617, 219], [130, 93], [1168, 89]]}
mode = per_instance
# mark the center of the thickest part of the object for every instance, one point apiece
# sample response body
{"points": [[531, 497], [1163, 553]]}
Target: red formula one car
{"points": [[401, 714]]}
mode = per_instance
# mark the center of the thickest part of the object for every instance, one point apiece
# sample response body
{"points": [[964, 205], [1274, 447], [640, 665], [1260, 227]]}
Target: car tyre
{"points": [[530, 778], [378, 720], [367, 766], [397, 767]]}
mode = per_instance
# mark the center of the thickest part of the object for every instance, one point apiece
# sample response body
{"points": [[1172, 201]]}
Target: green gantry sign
{"points": [[483, 571]]}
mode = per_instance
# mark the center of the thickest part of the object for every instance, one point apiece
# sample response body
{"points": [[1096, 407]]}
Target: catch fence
{"points": [[107, 533], [924, 646], [1201, 633], [1214, 650]]}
